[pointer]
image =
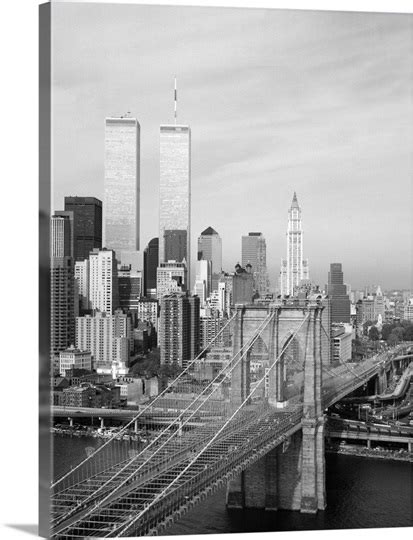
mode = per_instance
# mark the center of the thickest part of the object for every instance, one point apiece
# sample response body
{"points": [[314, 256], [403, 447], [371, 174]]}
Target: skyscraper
{"points": [[179, 328], [210, 249], [337, 291], [151, 261], [175, 193], [293, 268], [87, 225], [254, 252], [63, 294], [122, 185], [69, 230], [103, 281], [60, 237]]}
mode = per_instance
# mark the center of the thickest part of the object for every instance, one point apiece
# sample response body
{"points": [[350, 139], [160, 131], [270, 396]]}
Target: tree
{"points": [[374, 333]]}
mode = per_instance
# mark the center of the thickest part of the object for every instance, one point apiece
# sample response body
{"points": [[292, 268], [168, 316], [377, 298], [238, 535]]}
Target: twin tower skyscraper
{"points": [[121, 208]]}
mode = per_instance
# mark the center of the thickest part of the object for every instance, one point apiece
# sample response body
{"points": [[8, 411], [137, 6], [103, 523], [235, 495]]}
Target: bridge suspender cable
{"points": [[224, 371], [142, 411], [123, 530]]}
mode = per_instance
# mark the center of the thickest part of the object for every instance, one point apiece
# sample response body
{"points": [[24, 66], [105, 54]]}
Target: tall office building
{"points": [[151, 262], [254, 252], [63, 294], [210, 249], [87, 225], [130, 284], [179, 328], [69, 230], [337, 291], [122, 185], [63, 303], [103, 281], [294, 268], [60, 236], [175, 193]]}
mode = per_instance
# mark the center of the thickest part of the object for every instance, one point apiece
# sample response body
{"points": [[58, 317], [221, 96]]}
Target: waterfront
{"points": [[361, 493]]}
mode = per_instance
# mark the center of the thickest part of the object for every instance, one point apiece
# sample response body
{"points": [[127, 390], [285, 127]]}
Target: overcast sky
{"points": [[316, 102]]}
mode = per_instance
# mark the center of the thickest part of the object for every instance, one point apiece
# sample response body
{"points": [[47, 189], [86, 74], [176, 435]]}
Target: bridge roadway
{"points": [[152, 417], [144, 495], [337, 428]]}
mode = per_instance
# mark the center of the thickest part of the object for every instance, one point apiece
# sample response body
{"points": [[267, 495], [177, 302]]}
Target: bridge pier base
{"points": [[289, 477], [313, 467]]}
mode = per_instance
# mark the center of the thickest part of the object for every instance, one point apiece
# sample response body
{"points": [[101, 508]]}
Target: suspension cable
{"points": [[124, 528], [143, 410], [223, 371]]}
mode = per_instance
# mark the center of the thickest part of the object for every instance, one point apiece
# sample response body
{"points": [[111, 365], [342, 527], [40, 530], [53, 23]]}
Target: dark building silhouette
{"points": [[87, 225], [62, 306], [175, 242], [151, 261], [337, 292]]}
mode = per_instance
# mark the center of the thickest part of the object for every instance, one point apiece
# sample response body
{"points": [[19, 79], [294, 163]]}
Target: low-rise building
{"points": [[131, 389], [73, 358]]}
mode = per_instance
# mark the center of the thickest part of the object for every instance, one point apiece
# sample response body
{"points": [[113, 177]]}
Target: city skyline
{"points": [[322, 114]]}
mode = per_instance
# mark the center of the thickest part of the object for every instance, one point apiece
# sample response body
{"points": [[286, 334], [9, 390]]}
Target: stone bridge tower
{"points": [[290, 477]]}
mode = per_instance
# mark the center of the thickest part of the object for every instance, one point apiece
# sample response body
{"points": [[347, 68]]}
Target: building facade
{"points": [[179, 328], [294, 268], [103, 281], [63, 304], [82, 284], [175, 192], [60, 236], [130, 283], [151, 263], [203, 280], [171, 277], [254, 252], [108, 338], [210, 249], [212, 329], [121, 210], [337, 291], [73, 358], [87, 225]]}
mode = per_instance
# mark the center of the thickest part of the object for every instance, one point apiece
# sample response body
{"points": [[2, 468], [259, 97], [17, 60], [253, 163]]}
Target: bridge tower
{"points": [[292, 475]]}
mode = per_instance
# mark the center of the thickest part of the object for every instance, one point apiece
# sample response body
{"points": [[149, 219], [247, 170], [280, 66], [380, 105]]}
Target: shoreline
{"points": [[390, 455]]}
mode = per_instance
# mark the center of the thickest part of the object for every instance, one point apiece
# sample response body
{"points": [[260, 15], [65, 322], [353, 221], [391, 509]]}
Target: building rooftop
{"points": [[209, 231], [294, 203]]}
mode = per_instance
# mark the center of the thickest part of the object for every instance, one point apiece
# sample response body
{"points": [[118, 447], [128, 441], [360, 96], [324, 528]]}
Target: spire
{"points": [[175, 100], [294, 204]]}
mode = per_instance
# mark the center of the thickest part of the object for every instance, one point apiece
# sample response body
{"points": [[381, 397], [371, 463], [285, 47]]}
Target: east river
{"points": [[361, 492]]}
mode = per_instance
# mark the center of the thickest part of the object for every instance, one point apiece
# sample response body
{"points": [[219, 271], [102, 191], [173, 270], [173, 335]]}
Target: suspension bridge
{"points": [[262, 436]]}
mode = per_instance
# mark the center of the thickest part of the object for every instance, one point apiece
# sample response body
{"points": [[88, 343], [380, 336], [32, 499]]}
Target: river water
{"points": [[361, 492]]}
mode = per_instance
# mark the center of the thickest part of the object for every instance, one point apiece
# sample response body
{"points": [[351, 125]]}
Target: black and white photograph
{"points": [[226, 294]]}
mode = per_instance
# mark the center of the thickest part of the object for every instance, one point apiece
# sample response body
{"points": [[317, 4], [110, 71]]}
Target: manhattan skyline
{"points": [[312, 102]]}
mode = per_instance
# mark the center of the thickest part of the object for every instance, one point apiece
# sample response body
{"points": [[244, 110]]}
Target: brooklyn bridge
{"points": [[262, 437]]}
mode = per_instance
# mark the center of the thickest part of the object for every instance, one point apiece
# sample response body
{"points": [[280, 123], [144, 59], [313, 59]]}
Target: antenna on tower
{"points": [[175, 100]]}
